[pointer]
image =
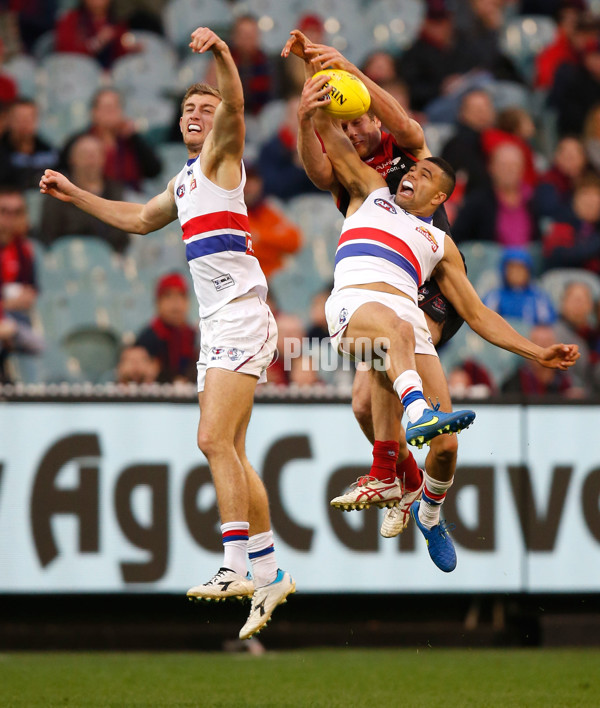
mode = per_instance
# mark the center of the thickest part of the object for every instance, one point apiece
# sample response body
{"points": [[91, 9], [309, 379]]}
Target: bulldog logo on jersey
{"points": [[429, 236], [235, 354], [181, 190], [385, 205]]}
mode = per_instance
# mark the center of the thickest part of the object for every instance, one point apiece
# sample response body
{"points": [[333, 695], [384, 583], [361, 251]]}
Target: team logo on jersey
{"points": [[397, 164], [181, 190], [235, 354], [193, 185], [385, 205], [343, 316], [429, 236], [217, 353]]}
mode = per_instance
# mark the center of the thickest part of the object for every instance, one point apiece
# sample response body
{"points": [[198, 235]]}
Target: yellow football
{"points": [[349, 96]]}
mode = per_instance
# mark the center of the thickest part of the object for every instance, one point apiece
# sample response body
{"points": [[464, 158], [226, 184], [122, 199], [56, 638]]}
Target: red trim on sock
{"points": [[408, 473], [385, 455], [435, 497]]}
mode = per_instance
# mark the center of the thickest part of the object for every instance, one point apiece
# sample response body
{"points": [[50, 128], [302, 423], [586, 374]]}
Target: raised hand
{"points": [[297, 44], [315, 94], [57, 185], [328, 57], [204, 39]]}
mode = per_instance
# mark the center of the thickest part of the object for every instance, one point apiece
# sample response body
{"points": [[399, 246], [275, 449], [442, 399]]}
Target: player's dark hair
{"points": [[448, 175]]}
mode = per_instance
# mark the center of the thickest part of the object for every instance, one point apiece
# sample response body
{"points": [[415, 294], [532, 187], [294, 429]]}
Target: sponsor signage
{"points": [[117, 497]]}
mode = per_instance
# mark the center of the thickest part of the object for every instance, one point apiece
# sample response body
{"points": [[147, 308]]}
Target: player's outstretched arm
{"points": [[454, 284], [133, 218], [316, 163], [406, 131], [356, 176], [226, 139]]}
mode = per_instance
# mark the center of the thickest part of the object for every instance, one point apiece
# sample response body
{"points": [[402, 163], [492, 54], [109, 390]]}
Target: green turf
{"points": [[375, 678]]}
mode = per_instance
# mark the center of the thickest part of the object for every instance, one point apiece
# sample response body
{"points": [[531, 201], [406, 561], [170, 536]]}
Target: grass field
{"points": [[320, 677]]}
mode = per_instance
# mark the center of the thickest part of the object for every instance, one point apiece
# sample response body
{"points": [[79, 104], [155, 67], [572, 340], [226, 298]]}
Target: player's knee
{"points": [[210, 442], [361, 407], [402, 332], [445, 449]]}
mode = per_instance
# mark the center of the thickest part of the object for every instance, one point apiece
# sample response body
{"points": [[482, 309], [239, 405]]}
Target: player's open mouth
{"points": [[406, 189], [194, 128]]}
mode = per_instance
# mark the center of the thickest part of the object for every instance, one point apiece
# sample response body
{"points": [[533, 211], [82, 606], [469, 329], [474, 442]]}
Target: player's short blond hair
{"points": [[200, 89]]}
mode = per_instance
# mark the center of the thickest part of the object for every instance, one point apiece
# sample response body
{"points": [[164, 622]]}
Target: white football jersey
{"points": [[216, 233], [381, 242]]}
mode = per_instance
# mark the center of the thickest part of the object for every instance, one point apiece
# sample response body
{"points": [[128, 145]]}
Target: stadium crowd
{"points": [[508, 92]]}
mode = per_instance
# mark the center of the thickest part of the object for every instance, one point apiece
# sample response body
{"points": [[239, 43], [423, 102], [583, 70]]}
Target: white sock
{"points": [[235, 544], [409, 388], [434, 493], [262, 556]]}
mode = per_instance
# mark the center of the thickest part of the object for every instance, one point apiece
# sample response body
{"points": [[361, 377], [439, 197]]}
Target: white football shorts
{"points": [[240, 336], [342, 304]]}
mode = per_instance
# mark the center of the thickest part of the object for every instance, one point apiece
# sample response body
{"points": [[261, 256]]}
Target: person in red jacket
{"points": [[90, 29]]}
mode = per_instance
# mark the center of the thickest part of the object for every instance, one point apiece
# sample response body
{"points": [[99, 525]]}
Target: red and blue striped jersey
{"points": [[216, 234], [381, 242]]}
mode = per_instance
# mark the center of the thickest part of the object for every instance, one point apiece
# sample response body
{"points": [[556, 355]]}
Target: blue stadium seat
{"points": [[23, 69], [275, 20], [509, 94], [192, 69], [182, 17], [394, 25], [437, 135], [153, 115], [66, 78], [524, 37], [94, 349], [480, 257]]}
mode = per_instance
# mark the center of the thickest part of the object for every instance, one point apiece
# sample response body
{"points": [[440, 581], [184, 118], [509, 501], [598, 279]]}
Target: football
{"points": [[349, 96]]}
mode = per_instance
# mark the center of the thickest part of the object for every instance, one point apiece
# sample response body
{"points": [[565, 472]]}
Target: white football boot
{"points": [[397, 518], [225, 584], [367, 492], [265, 600]]}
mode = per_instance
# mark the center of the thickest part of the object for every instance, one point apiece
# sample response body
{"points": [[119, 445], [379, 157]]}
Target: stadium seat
{"points": [[295, 285], [275, 20], [66, 78], [524, 37], [555, 281], [509, 94], [144, 74], [481, 256], [23, 69], [393, 25], [192, 69], [182, 17], [44, 45], [78, 255], [95, 350], [153, 115], [437, 135], [34, 200], [465, 345]]}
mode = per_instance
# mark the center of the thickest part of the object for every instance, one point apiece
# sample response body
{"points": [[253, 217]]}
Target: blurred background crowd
{"points": [[507, 91]]}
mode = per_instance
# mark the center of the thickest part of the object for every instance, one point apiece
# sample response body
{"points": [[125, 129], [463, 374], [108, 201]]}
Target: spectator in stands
{"points": [[380, 67], [169, 339], [304, 371], [514, 125], [502, 213], [563, 49], [273, 234], [86, 170], [532, 379], [317, 327], [136, 366], [128, 157], [433, 65], [141, 14], [470, 380], [576, 89], [23, 154], [518, 297], [18, 283], [91, 29], [289, 339], [8, 87], [576, 320], [591, 137], [480, 38], [554, 193], [256, 69], [278, 161], [576, 243], [464, 151]]}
